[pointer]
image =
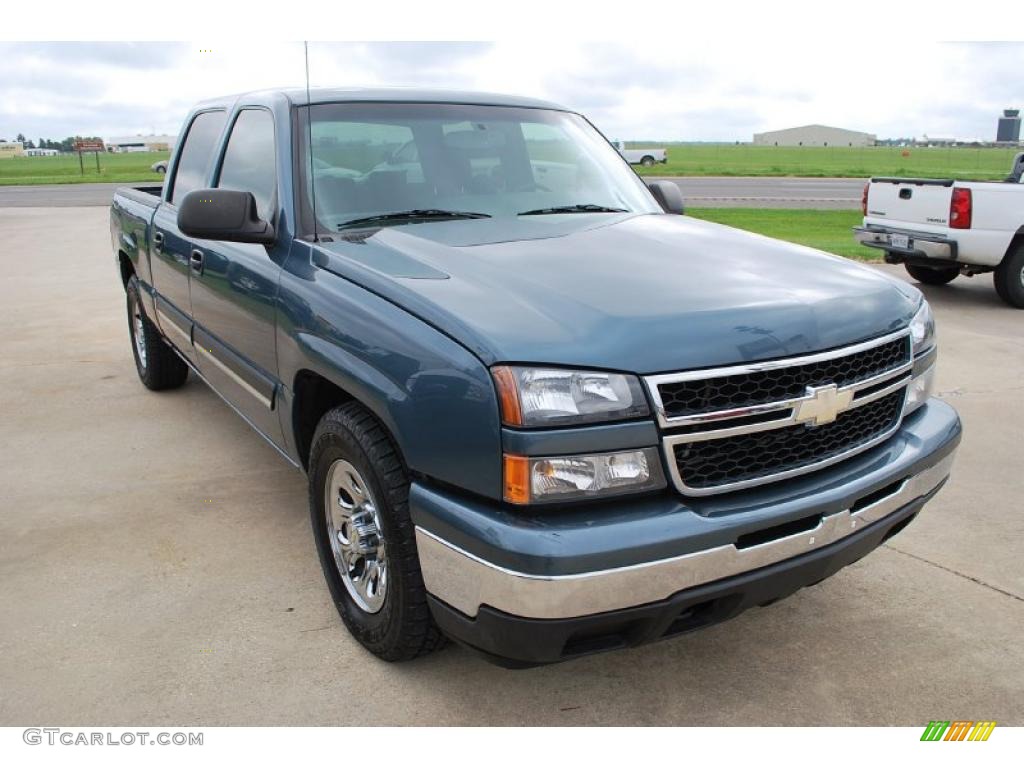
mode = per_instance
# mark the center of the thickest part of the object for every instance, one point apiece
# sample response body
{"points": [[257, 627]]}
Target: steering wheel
{"points": [[499, 176]]}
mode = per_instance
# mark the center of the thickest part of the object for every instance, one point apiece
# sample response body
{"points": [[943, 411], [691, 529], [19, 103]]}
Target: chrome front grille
{"points": [[738, 390], [736, 427]]}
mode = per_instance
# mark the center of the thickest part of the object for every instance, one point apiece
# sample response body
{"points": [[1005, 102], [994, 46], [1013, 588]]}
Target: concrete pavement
{"points": [[698, 192], [156, 563]]}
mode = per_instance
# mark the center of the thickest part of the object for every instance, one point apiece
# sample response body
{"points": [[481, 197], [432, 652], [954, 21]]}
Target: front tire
{"points": [[932, 275], [359, 509], [156, 363], [1009, 278]]}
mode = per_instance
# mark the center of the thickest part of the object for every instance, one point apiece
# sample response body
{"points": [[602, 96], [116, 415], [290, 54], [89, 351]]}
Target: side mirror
{"points": [[223, 214], [668, 196]]}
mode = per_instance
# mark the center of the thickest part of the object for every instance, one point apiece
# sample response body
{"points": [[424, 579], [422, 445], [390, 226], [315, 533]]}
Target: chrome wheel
{"points": [[357, 541], [139, 335]]}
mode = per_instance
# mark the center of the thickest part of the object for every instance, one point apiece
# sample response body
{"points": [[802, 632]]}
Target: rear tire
{"points": [[158, 366], [1009, 278], [932, 275], [359, 508], [647, 161]]}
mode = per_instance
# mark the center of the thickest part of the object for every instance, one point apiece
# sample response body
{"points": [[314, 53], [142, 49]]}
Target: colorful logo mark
{"points": [[958, 730]]}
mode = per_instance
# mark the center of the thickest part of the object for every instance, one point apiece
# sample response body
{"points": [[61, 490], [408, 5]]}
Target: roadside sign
{"points": [[89, 145]]}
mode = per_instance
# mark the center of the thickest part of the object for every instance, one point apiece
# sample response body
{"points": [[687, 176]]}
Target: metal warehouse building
{"points": [[815, 136], [140, 143], [11, 149]]}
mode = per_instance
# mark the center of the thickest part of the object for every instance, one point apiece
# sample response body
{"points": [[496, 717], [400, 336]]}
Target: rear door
{"points": [[920, 204], [234, 285], [170, 249]]}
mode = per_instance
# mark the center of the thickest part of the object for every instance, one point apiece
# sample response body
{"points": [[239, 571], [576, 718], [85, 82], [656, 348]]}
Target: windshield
{"points": [[432, 161]]}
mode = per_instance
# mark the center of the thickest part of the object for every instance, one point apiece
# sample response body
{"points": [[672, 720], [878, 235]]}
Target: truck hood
{"points": [[641, 293]]}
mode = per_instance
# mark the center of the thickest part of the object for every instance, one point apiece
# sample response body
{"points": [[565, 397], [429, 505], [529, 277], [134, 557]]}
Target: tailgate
{"points": [[909, 201]]}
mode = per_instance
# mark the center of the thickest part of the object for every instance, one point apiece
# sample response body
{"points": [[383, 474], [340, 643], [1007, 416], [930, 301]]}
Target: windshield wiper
{"points": [[413, 215], [579, 208]]}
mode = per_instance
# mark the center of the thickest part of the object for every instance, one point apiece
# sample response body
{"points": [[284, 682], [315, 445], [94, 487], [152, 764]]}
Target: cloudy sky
{"points": [[631, 90]]}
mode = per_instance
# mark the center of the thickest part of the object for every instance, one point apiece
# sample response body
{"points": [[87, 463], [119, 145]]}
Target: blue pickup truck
{"points": [[540, 412]]}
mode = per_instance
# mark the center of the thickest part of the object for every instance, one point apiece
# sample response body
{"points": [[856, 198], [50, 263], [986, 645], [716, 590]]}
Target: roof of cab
{"points": [[297, 96]]}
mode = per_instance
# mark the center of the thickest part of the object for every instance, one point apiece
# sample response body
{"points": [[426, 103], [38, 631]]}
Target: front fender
{"points": [[434, 396]]}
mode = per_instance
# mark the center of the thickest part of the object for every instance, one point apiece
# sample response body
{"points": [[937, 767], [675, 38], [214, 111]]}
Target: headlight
{"points": [[922, 336], [922, 330], [530, 480], [547, 397]]}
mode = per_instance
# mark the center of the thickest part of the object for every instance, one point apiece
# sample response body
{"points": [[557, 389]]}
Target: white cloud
{"points": [[692, 91]]}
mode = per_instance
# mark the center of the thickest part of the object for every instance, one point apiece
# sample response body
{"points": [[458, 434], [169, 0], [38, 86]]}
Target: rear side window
{"points": [[249, 160], [194, 162]]}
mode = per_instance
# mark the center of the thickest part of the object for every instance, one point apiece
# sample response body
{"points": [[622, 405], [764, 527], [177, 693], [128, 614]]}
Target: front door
{"points": [[234, 285]]}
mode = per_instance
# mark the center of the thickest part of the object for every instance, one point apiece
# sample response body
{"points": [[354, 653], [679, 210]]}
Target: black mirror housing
{"points": [[668, 196], [223, 214]]}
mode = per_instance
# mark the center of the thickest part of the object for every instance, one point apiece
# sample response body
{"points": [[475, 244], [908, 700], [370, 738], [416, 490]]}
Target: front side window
{"points": [[249, 161], [196, 154], [381, 159]]}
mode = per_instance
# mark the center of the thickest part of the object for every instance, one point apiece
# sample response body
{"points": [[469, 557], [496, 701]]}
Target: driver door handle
{"points": [[158, 241], [195, 261]]}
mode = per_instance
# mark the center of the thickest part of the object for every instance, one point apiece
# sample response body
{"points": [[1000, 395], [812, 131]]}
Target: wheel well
{"points": [[313, 397], [127, 268], [1015, 243]]}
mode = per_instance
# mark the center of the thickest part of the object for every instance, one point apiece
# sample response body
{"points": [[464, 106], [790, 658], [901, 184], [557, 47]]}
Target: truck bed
{"points": [[148, 195], [969, 222], [131, 217]]}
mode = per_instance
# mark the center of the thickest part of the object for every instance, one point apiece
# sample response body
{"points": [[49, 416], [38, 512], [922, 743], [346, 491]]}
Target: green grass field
{"points": [[823, 229], [63, 169], [683, 160], [985, 163]]}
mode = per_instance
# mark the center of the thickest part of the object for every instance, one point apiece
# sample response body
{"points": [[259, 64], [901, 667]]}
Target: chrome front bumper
{"points": [[919, 243], [466, 582]]}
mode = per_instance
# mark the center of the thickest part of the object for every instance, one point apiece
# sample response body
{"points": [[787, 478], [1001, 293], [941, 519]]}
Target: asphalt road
{"points": [[770, 192], [156, 562], [57, 195], [698, 192]]}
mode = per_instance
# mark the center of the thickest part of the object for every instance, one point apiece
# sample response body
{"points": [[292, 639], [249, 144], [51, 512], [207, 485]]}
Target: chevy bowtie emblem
{"points": [[822, 405]]}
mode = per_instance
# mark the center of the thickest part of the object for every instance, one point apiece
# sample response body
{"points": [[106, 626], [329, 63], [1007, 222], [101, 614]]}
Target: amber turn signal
{"points": [[517, 479], [508, 395]]}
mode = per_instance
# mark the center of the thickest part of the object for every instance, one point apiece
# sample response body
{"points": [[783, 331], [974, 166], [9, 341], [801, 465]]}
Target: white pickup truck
{"points": [[941, 228], [645, 157]]}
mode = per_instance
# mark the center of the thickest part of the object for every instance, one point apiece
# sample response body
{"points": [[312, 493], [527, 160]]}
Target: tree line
{"points": [[65, 145]]}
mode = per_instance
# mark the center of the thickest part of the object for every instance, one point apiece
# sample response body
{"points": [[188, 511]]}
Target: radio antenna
{"points": [[309, 125]]}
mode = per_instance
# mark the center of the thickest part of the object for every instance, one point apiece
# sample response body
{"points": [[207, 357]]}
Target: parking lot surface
{"points": [[156, 562]]}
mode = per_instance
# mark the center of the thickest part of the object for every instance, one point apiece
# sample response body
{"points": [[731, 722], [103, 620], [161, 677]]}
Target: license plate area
{"points": [[900, 241]]}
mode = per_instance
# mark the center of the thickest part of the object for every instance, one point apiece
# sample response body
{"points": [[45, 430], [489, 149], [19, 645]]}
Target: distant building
{"points": [[140, 143], [11, 149], [1008, 129], [815, 136], [948, 141], [42, 152]]}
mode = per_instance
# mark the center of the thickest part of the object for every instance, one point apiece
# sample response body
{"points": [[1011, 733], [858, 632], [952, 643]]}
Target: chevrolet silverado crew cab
{"points": [[942, 228], [539, 411]]}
